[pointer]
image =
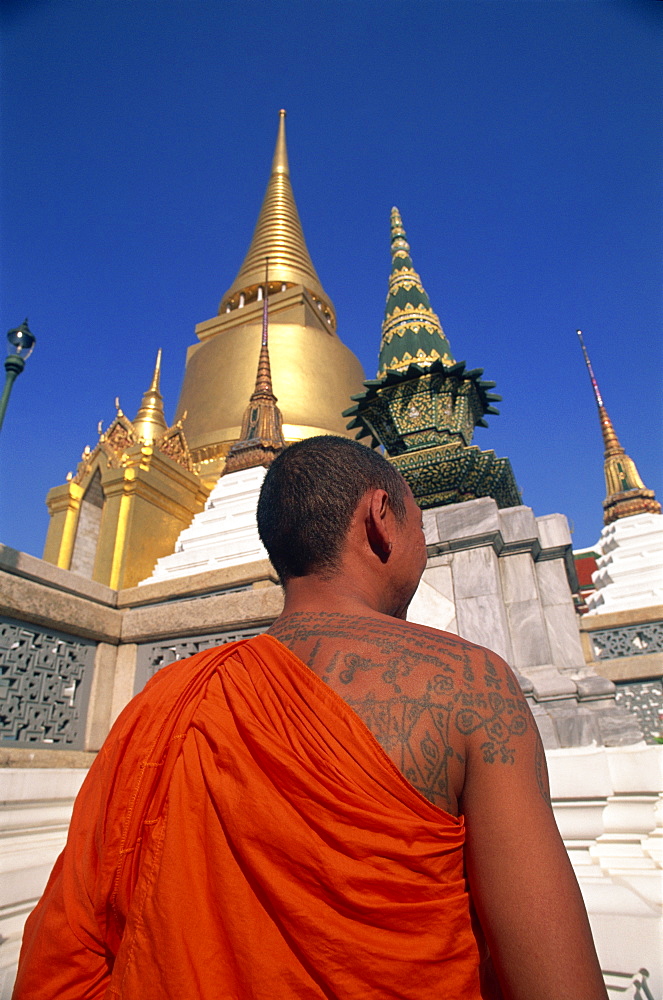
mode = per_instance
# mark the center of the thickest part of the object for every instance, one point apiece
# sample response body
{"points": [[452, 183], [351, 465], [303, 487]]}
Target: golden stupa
{"points": [[314, 373]]}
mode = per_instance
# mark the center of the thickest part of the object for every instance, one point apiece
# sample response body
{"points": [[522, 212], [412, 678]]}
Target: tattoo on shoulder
{"points": [[465, 692]]}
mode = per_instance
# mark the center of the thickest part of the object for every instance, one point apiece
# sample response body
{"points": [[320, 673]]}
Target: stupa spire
{"points": [[626, 494], [411, 332], [279, 236], [261, 437], [149, 423]]}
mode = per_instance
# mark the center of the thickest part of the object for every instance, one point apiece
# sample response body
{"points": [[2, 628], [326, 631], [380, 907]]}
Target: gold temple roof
{"points": [[279, 236]]}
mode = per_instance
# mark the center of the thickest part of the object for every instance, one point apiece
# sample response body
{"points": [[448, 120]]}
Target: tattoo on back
{"points": [[421, 694]]}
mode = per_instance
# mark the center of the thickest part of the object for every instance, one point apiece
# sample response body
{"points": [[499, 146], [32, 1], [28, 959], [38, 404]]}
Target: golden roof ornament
{"points": [[148, 429], [626, 494], [261, 437], [149, 424], [279, 236]]}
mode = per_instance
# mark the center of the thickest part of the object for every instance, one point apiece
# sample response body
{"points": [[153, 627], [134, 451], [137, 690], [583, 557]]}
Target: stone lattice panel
{"points": [[629, 640], [644, 699], [45, 679], [152, 656]]}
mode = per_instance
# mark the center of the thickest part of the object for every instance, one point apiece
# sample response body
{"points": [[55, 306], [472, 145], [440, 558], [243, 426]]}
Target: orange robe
{"points": [[242, 835]]}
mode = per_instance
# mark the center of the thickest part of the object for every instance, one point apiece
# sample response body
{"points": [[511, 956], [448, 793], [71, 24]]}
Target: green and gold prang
{"points": [[425, 419], [411, 331]]}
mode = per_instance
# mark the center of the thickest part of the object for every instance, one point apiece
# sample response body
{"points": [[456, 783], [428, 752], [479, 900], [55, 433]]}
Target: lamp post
{"points": [[21, 343]]}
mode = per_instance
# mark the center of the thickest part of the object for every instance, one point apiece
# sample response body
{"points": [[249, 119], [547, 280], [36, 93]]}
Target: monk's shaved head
{"points": [[309, 496]]}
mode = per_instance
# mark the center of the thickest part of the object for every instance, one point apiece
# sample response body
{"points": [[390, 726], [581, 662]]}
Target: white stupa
{"points": [[225, 533]]}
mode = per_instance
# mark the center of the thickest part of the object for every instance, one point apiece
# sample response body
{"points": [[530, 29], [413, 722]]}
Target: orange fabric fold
{"points": [[242, 834]]}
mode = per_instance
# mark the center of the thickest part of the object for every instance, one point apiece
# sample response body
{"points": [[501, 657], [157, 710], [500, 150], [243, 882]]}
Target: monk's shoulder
{"points": [[353, 646]]}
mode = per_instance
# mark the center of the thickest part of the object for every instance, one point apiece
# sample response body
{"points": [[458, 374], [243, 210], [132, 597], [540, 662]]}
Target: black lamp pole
{"points": [[21, 342]]}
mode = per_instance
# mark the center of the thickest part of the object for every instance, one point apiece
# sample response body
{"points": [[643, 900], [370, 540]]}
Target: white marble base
{"points": [[35, 809], [608, 803], [630, 565], [223, 534]]}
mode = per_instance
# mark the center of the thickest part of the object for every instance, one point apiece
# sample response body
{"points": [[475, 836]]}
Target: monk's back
{"points": [[420, 692]]}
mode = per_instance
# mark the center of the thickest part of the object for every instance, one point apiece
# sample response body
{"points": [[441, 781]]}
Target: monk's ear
{"points": [[377, 527]]}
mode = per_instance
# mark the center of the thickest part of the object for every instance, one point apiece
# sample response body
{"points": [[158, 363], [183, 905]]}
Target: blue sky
{"points": [[520, 140]]}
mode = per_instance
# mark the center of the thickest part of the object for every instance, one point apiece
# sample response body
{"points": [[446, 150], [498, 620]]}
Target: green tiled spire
{"points": [[411, 332]]}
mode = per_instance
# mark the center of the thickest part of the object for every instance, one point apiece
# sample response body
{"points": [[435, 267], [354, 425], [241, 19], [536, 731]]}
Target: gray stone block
{"points": [[548, 683], [553, 531], [529, 640], [483, 620], [553, 582], [546, 727], [518, 524], [594, 686], [475, 572], [576, 727], [617, 727], [465, 520], [564, 637], [518, 578]]}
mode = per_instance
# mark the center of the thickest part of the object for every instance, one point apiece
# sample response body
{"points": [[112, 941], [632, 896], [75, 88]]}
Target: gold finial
{"points": [[261, 437], [398, 230], [279, 236], [626, 494], [156, 377], [280, 159], [150, 422]]}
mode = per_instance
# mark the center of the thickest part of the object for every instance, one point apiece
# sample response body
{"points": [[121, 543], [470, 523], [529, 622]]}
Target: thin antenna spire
{"points": [[592, 377], [265, 305]]}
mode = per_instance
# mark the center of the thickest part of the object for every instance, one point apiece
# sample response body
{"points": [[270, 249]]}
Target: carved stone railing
{"points": [[629, 640], [45, 680], [150, 657]]}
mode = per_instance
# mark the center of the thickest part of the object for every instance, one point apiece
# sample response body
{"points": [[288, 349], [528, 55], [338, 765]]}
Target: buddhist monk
{"points": [[349, 806]]}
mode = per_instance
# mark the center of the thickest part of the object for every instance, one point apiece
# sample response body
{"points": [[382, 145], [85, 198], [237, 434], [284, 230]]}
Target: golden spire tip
{"points": [[156, 377], [280, 161]]}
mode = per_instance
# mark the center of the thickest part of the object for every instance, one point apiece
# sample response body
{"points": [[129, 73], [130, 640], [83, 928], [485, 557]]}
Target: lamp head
{"points": [[21, 340]]}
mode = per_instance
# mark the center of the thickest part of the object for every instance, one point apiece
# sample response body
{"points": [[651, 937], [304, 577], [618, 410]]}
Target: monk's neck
{"points": [[314, 595]]}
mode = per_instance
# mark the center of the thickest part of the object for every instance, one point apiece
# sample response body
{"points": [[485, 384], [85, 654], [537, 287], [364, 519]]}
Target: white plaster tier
{"points": [[225, 533], [629, 571]]}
